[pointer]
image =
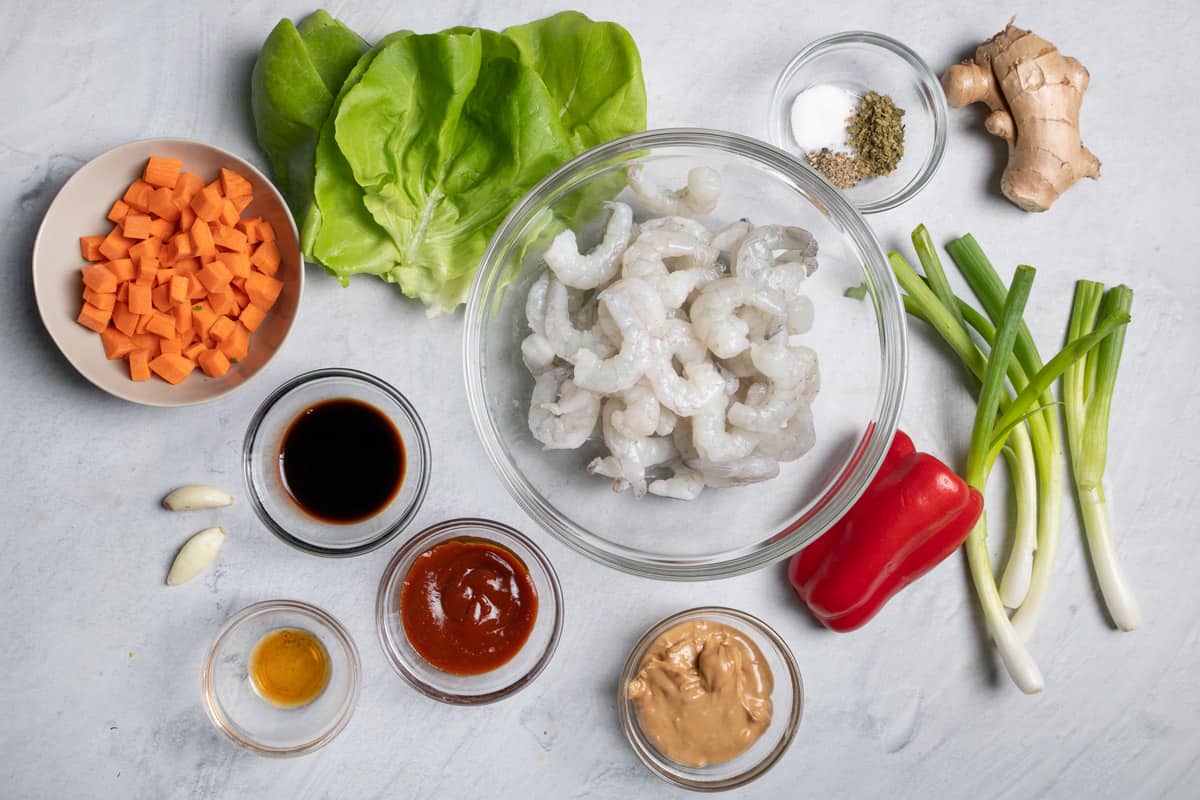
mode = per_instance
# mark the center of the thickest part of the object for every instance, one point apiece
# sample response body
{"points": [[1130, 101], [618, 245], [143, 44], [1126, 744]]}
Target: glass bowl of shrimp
{"points": [[685, 354]]}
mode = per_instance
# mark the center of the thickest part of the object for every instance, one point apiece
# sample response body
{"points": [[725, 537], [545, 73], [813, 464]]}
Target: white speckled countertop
{"points": [[99, 660]]}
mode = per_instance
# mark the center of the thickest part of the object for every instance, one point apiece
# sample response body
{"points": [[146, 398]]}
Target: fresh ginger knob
{"points": [[1034, 93]]}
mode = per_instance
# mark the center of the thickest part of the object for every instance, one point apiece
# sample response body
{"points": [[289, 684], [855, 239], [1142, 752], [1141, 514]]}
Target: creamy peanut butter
{"points": [[703, 693]]}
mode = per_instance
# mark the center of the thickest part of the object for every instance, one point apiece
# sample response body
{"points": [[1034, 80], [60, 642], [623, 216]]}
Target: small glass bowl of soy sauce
{"points": [[336, 462]]}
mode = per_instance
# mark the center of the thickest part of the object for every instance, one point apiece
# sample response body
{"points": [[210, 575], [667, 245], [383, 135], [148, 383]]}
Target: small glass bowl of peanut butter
{"points": [[710, 698]]}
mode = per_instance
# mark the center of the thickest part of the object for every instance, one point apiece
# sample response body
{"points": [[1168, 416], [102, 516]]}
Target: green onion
{"points": [[1087, 396], [1023, 425]]}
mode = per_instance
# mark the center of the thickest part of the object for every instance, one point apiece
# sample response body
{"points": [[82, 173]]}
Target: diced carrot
{"points": [[162, 204], [186, 266], [171, 367], [148, 343], [99, 278], [263, 290], [162, 229], [221, 302], [233, 184], [241, 202], [237, 344], [123, 292], [196, 290], [216, 187], [115, 245], [93, 318], [183, 244], [147, 267], [143, 321], [203, 317], [161, 297], [162, 171], [121, 268], [194, 350], [123, 319], [118, 211], [135, 226], [222, 328], [239, 282], [187, 337], [164, 275], [116, 344], [229, 213], [266, 232], [140, 301], [252, 316], [187, 218], [147, 247], [215, 276], [266, 258], [213, 362], [238, 264], [240, 298], [139, 369], [179, 287], [202, 238], [171, 346], [138, 195], [183, 318], [231, 239], [161, 325], [207, 204], [186, 187], [89, 248], [102, 300], [249, 226]]}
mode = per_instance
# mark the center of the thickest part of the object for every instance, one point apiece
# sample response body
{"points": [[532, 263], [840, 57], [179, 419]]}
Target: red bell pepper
{"points": [[915, 513]]}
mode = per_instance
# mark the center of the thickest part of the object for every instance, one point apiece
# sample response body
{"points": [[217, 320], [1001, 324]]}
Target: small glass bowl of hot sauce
{"points": [[336, 462], [469, 611]]}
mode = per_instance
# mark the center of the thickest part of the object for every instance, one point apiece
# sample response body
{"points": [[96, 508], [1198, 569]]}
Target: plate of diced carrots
{"points": [[168, 271]]}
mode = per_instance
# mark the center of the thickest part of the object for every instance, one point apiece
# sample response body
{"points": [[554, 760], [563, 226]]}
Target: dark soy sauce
{"points": [[342, 461]]}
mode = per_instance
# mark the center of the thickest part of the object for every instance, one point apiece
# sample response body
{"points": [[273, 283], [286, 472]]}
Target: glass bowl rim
{"points": [[862, 464], [219, 719], [422, 449], [488, 530], [629, 722], [925, 76]]}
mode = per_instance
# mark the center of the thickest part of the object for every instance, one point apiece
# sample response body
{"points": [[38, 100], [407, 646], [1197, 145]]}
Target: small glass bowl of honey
{"points": [[281, 678]]}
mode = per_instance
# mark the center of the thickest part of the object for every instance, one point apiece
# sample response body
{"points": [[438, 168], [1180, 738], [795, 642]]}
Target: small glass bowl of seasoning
{"points": [[281, 678], [820, 93], [702, 740], [469, 611], [336, 461]]}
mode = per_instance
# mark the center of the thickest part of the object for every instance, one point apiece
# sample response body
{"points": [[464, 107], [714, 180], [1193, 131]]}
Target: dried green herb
{"points": [[876, 133]]}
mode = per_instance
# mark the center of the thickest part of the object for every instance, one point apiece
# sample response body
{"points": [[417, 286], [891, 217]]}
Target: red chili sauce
{"points": [[468, 605]]}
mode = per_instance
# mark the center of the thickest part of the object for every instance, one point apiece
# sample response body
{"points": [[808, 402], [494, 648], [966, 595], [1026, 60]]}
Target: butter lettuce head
{"points": [[430, 139]]}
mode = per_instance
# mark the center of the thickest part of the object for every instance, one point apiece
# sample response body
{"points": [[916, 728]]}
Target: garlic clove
{"points": [[196, 555], [186, 498]]}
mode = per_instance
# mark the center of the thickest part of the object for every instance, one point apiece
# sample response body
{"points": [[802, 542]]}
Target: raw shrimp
{"points": [[714, 321], [537, 353], [799, 315], [621, 371], [561, 415], [699, 197], [640, 415], [794, 440], [701, 382], [792, 376], [666, 421], [713, 440], [629, 457], [685, 483], [561, 333], [646, 259], [756, 257], [739, 472], [691, 227], [730, 237], [601, 265]]}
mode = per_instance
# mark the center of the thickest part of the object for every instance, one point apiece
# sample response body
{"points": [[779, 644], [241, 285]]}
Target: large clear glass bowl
{"points": [[861, 344]]}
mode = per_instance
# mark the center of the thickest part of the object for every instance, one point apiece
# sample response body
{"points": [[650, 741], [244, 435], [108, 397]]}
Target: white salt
{"points": [[819, 116]]}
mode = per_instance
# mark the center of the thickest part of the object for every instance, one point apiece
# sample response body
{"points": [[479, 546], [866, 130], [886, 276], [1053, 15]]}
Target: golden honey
{"points": [[289, 667]]}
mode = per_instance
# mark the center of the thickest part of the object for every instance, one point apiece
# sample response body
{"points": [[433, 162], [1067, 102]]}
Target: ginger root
{"points": [[1034, 92]]}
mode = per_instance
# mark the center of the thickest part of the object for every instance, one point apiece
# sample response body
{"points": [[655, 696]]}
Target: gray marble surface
{"points": [[99, 661]]}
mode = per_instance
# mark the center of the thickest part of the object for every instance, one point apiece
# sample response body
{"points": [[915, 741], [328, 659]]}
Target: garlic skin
{"points": [[196, 555], [186, 498]]}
